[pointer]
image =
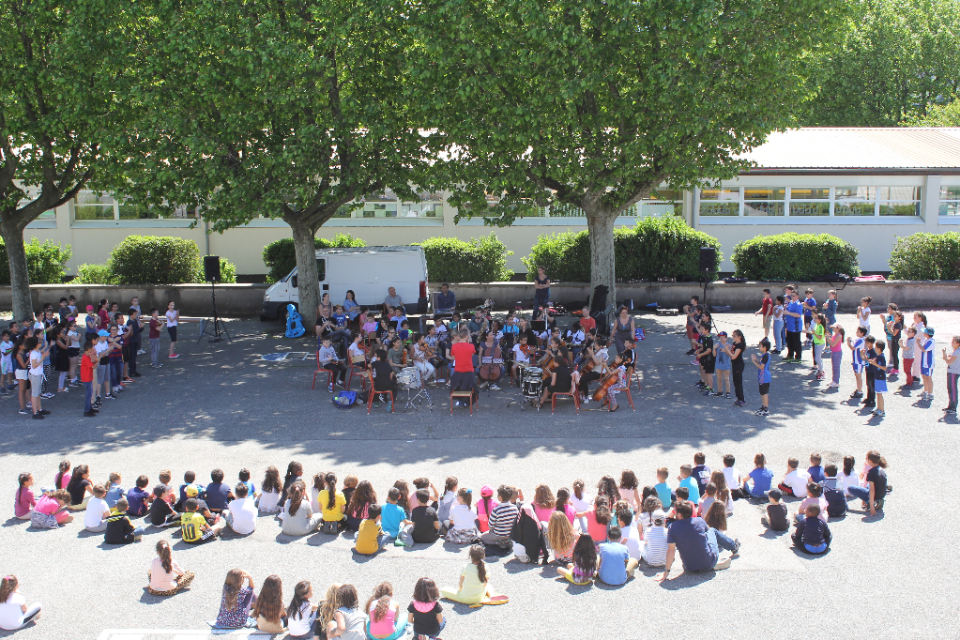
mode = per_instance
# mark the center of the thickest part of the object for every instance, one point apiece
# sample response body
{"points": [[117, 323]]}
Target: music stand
{"points": [[219, 326]]}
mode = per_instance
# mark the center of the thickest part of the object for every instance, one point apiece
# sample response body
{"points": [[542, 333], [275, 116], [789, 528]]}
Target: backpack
{"points": [[329, 527], [344, 399]]}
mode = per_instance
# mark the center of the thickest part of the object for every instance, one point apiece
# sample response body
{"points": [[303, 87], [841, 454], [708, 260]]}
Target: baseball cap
{"points": [[722, 334], [659, 519], [89, 307], [929, 331], [192, 491], [103, 333], [486, 491]]}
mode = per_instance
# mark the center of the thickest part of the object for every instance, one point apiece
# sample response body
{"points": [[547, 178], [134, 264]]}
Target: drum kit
{"points": [[531, 384], [409, 380]]}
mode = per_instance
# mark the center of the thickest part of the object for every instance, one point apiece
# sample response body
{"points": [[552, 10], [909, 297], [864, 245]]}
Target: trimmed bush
{"points": [[794, 256], [228, 272], [94, 274], [477, 260], [46, 262], [155, 260], [926, 256], [653, 248], [280, 257]]}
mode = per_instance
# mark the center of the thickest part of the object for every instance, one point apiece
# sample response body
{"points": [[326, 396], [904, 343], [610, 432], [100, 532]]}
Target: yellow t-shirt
{"points": [[191, 526], [334, 514], [367, 537], [473, 589]]}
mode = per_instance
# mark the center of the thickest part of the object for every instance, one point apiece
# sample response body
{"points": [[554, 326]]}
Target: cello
{"points": [[608, 381], [493, 368]]}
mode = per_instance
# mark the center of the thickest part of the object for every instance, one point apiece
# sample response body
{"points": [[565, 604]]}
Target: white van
{"points": [[368, 271]]}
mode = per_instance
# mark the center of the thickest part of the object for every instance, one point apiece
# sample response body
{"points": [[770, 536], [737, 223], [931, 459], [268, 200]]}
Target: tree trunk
{"points": [[603, 267], [19, 275], [308, 284]]}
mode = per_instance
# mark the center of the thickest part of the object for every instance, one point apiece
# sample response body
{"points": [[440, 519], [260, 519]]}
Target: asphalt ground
{"points": [[222, 405]]}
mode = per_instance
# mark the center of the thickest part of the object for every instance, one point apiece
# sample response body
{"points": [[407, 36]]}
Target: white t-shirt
{"points": [[863, 315], [244, 515], [633, 541], [101, 348], [269, 501], [518, 355], [851, 480], [97, 511], [160, 580], [462, 517], [581, 504], [11, 612], [301, 625], [36, 363], [734, 480], [655, 546], [354, 350], [797, 480], [172, 318]]}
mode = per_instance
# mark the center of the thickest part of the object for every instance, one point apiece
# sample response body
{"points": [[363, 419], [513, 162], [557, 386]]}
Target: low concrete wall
{"points": [[246, 300], [233, 300]]}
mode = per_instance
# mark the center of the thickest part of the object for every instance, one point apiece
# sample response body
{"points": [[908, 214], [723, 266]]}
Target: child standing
{"points": [[908, 344], [863, 314], [173, 319], [763, 377], [856, 348], [879, 363], [809, 306], [6, 362], [154, 334], [926, 362], [766, 310], [724, 366], [835, 342], [818, 333], [953, 373], [830, 308], [88, 364], [778, 331]]}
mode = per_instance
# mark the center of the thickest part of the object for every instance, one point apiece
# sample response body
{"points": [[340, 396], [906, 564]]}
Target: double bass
{"points": [[491, 367]]}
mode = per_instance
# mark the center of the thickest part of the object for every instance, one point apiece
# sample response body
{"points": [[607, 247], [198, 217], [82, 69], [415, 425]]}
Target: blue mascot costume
{"points": [[294, 323]]}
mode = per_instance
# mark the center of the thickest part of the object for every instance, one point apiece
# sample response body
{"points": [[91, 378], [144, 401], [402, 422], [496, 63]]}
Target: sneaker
{"points": [[740, 403], [46, 396], [690, 353], [174, 356], [879, 413], [586, 400], [736, 547], [695, 362], [728, 396], [128, 381], [43, 412], [141, 352], [699, 384], [89, 414], [763, 412], [707, 390], [894, 372], [833, 385], [775, 352], [950, 411], [495, 387], [717, 394], [878, 504], [38, 416], [24, 412], [110, 396], [856, 394], [64, 390], [3, 391], [483, 385]]}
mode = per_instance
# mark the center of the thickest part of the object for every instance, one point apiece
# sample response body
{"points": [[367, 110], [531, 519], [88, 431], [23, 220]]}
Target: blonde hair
{"points": [[560, 533], [329, 606]]}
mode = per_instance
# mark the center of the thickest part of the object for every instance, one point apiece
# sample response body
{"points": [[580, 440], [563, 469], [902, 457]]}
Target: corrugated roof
{"points": [[859, 148]]}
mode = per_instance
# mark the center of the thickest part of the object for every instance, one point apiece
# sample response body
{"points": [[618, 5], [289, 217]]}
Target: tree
{"points": [[594, 104], [286, 110], [938, 115], [895, 60], [56, 109]]}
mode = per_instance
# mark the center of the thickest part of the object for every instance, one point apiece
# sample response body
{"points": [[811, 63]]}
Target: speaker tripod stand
{"points": [[214, 326]]}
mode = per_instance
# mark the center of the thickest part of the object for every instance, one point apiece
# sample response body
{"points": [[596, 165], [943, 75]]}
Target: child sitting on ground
{"points": [[664, 492], [114, 490], [686, 480], [463, 528], [194, 527], [710, 496], [833, 492], [776, 518], [189, 478], [654, 551], [139, 499], [814, 496], [95, 517], [161, 512], [370, 537], [426, 526], [393, 519], [812, 534], [24, 502], [583, 569], [816, 469], [474, 587], [425, 612], [119, 528]]}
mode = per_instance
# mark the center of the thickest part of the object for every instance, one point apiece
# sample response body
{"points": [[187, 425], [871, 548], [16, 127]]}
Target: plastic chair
{"points": [[393, 405], [330, 374], [469, 395], [363, 373]]}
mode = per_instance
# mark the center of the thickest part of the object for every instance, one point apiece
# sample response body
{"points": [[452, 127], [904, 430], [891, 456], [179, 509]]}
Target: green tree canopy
{"points": [[938, 115], [593, 104], [286, 110], [896, 60]]}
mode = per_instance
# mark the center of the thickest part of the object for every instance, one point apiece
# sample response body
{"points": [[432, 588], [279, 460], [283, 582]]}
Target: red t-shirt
{"points": [[463, 357], [767, 307], [587, 324], [86, 369], [104, 318], [154, 329]]}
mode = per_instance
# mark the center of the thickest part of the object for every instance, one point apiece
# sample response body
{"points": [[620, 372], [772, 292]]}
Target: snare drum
{"points": [[407, 378], [532, 382]]}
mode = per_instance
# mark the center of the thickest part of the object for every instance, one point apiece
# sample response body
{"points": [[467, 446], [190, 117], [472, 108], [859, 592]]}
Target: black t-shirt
{"points": [[878, 477], [382, 371], [77, 490], [119, 530], [707, 358], [737, 363], [423, 529], [159, 510], [777, 515], [425, 623], [563, 378]]}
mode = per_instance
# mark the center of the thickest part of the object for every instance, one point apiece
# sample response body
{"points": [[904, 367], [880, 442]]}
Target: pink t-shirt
{"points": [[23, 502], [596, 530], [64, 481], [630, 496], [50, 506], [384, 627], [544, 513]]}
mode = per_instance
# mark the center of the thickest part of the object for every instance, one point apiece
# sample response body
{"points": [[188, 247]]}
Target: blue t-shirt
{"points": [[690, 536], [691, 484], [251, 488], [217, 493], [816, 474], [664, 493], [857, 355], [137, 498], [831, 311], [114, 493], [926, 358], [812, 302], [391, 515], [763, 375], [340, 319], [879, 371], [613, 562], [701, 473], [793, 323], [762, 481]]}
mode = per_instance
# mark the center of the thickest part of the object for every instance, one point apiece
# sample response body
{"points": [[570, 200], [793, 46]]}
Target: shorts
{"points": [[858, 368], [173, 333], [20, 374], [765, 388], [207, 536], [73, 352], [768, 321], [880, 386], [5, 368], [692, 332], [36, 382], [926, 371], [708, 368]]}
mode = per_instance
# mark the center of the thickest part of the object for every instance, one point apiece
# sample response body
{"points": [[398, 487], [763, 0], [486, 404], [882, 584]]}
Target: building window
{"points": [[898, 201], [950, 201], [89, 205], [764, 202], [720, 202], [809, 201], [813, 201], [854, 201]]}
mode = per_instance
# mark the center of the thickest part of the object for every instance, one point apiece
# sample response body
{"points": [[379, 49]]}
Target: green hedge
{"points": [[477, 260], [926, 256], [280, 256], [46, 262], [228, 272], [155, 260], [653, 248], [794, 256], [94, 274]]}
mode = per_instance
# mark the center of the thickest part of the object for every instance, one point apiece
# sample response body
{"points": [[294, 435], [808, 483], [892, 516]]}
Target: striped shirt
{"points": [[926, 359], [502, 518], [857, 354], [655, 546]]}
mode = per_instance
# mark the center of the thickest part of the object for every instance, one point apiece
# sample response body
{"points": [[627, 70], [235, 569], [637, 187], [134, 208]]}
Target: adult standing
{"points": [[541, 293], [696, 542], [446, 300], [623, 328], [793, 319]]}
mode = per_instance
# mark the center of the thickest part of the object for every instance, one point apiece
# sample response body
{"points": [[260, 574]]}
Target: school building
{"points": [[865, 185]]}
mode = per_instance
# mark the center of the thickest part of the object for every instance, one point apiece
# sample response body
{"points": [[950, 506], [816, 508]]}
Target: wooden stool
{"points": [[393, 406], [463, 394]]}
